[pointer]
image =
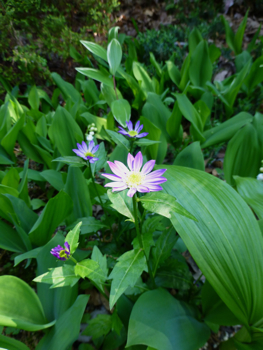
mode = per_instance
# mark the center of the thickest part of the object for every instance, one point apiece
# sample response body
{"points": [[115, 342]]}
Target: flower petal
{"points": [[131, 192], [115, 189], [130, 161], [79, 153], [156, 173], [139, 129], [129, 125], [143, 134], [67, 246], [137, 163], [122, 167], [142, 189], [148, 167], [93, 160], [123, 132], [156, 180], [91, 145], [94, 150], [112, 177], [115, 184], [154, 188], [137, 126], [84, 146]]}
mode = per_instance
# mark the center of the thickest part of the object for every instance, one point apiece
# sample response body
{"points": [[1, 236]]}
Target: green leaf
{"points": [[240, 34], [114, 55], [226, 130], [95, 49], [33, 98], [89, 225], [174, 274], [96, 74], [98, 326], [191, 114], [191, 156], [65, 332], [163, 247], [174, 73], [243, 154], [64, 132], [76, 187], [214, 53], [109, 94], [11, 344], [163, 204], [200, 70], [119, 139], [121, 111], [54, 178], [255, 75], [90, 269], [251, 190], [214, 309], [23, 188], [195, 37], [164, 323], [142, 76], [154, 133], [67, 89], [145, 142], [225, 241], [147, 242], [10, 239], [59, 277], [119, 204], [100, 259], [20, 306], [73, 238], [125, 273], [56, 210], [73, 161], [9, 139]]}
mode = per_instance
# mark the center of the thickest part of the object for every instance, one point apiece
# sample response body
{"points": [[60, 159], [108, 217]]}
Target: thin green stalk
{"points": [[73, 259], [139, 235], [93, 181]]}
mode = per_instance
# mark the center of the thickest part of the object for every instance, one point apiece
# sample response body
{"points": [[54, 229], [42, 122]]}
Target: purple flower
{"points": [[60, 252], [133, 132], [86, 152], [133, 178]]}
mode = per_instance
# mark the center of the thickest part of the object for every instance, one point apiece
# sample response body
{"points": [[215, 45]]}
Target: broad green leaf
{"points": [[165, 324], [65, 132], [56, 210], [145, 142], [98, 326], [4, 157], [113, 33], [90, 269], [37, 203], [243, 154], [100, 123], [23, 187], [67, 89], [142, 76], [10, 239], [226, 130], [255, 75], [11, 344], [9, 139], [96, 74], [163, 248], [251, 190], [59, 277], [191, 156], [230, 37], [121, 111], [147, 242], [241, 60], [90, 225], [173, 124], [73, 161], [33, 98], [191, 114], [214, 53], [76, 187], [119, 204], [65, 332], [195, 37], [54, 178], [95, 49], [163, 204], [73, 238], [11, 179], [155, 64], [225, 242], [174, 73], [214, 309], [100, 259], [20, 307], [174, 274], [240, 34], [114, 55], [109, 94], [200, 70], [125, 273], [119, 139]]}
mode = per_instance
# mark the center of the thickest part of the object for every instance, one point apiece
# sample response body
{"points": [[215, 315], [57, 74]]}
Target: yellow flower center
{"points": [[132, 133], [134, 179], [63, 254], [89, 154]]}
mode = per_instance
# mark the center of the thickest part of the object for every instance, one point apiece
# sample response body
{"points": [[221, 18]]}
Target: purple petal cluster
{"points": [[60, 252], [135, 133], [133, 178], [87, 152]]}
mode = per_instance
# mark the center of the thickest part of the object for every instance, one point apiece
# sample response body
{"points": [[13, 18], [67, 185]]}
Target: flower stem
{"points": [[73, 259], [93, 181], [139, 236]]}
